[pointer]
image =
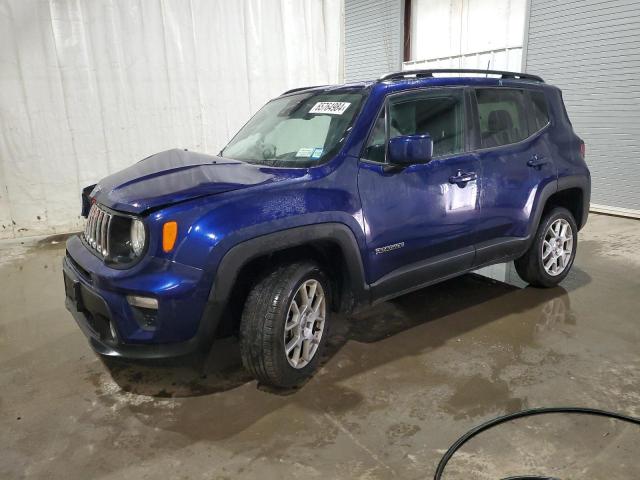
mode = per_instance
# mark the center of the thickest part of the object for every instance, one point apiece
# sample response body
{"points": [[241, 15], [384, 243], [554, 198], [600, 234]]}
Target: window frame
{"points": [[476, 116], [372, 126], [467, 127]]}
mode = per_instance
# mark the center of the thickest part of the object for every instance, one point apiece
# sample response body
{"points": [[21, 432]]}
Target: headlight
{"points": [[137, 237]]}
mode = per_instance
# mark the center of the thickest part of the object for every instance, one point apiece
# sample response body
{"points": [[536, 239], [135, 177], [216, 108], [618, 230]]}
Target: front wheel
{"points": [[283, 328], [551, 255]]}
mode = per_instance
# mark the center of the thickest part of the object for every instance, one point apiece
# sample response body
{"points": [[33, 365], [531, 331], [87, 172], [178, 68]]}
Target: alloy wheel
{"points": [[557, 247], [305, 323]]}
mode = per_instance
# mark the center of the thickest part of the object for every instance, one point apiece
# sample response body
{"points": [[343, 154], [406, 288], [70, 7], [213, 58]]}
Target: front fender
{"points": [[210, 227]]}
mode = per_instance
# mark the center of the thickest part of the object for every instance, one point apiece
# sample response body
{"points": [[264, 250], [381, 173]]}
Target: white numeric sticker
{"points": [[334, 108]]}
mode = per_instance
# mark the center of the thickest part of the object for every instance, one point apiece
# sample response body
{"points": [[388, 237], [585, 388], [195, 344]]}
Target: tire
{"points": [[269, 308], [531, 266]]}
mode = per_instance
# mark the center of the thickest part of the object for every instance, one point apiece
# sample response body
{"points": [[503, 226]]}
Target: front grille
{"points": [[98, 229]]}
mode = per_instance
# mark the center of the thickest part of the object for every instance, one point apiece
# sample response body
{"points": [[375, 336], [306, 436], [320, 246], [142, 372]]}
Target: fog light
{"points": [[146, 318], [142, 302]]}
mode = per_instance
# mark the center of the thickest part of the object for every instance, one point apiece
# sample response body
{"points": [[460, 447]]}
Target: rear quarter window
{"points": [[537, 113]]}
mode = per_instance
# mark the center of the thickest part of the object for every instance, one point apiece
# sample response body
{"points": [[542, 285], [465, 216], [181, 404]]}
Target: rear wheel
{"points": [[284, 324], [551, 255]]}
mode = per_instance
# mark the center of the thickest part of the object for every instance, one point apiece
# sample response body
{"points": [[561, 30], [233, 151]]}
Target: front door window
{"points": [[440, 113]]}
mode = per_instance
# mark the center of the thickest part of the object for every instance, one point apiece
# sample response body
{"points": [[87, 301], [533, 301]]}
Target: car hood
{"points": [[178, 175]]}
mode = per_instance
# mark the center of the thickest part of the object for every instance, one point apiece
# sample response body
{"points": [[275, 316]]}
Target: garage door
{"points": [[372, 38], [590, 50]]}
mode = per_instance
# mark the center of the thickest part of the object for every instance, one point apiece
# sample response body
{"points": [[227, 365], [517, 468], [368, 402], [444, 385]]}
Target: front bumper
{"points": [[96, 297]]}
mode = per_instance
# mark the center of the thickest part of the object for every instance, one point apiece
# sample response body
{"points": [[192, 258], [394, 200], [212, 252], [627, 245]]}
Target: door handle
{"points": [[537, 161], [462, 178]]}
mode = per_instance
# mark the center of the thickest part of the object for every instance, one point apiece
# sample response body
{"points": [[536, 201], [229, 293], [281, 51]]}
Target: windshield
{"points": [[298, 130]]}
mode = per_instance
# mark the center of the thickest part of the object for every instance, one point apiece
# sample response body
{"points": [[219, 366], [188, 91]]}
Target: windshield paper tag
{"points": [[304, 152], [317, 153], [334, 108]]}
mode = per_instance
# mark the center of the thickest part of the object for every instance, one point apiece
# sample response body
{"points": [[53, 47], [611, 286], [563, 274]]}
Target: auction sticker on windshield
{"points": [[304, 152], [334, 108]]}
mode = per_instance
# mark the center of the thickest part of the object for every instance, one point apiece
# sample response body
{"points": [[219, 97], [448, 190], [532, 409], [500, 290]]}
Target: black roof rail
{"points": [[430, 72]]}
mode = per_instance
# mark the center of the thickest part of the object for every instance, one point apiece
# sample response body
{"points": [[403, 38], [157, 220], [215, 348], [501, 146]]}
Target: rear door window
{"points": [[502, 116]]}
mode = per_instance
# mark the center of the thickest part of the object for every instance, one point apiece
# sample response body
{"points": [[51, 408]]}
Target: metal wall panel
{"points": [[373, 38], [589, 49]]}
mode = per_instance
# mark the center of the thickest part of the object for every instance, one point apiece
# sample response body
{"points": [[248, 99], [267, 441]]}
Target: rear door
{"points": [[512, 126]]}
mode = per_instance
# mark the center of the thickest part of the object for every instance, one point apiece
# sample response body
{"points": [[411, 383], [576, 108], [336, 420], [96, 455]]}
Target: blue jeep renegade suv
{"points": [[329, 199]]}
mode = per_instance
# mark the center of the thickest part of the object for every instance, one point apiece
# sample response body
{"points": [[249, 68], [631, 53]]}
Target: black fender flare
{"points": [[580, 182], [583, 183], [546, 192], [244, 252]]}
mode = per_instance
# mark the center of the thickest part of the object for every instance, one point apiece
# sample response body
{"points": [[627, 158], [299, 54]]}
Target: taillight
{"points": [[583, 150]]}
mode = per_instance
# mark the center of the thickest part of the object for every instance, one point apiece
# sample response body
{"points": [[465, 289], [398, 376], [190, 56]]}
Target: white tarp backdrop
{"points": [[88, 87]]}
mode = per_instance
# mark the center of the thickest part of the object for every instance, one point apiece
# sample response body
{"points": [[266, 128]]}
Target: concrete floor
{"points": [[401, 382]]}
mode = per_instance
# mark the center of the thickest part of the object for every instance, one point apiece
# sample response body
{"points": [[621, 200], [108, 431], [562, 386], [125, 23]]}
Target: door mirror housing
{"points": [[410, 149]]}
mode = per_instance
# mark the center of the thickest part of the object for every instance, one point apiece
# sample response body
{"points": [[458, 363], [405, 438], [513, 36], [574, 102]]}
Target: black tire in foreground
{"points": [[284, 323], [551, 255]]}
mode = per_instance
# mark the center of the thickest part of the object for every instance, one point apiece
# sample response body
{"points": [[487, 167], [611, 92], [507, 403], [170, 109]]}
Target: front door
{"points": [[420, 221]]}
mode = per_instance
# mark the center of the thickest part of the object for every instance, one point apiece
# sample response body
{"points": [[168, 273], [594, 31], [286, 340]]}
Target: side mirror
{"points": [[410, 149]]}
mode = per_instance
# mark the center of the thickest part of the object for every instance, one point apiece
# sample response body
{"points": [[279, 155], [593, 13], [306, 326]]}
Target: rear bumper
{"points": [[96, 296]]}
